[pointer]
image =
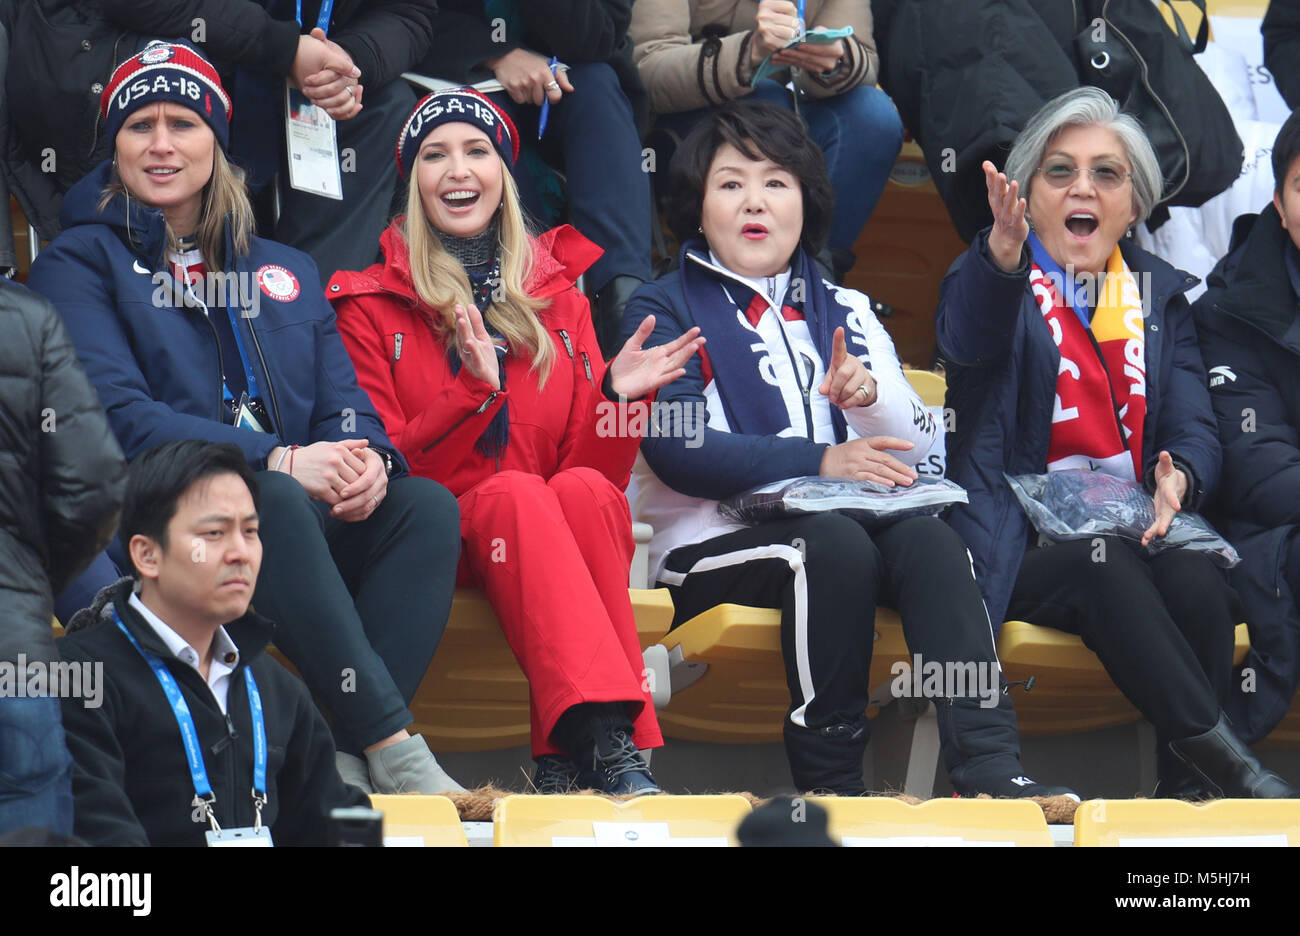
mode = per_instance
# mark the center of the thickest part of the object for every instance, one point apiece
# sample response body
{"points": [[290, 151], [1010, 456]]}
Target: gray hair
{"points": [[1086, 107]]}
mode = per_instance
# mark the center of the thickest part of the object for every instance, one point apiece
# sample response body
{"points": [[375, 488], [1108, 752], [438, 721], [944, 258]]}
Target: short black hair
{"points": [[749, 125], [160, 477], [1285, 150]]}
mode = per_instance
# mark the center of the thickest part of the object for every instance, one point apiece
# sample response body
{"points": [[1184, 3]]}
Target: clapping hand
{"points": [[478, 352], [637, 371]]}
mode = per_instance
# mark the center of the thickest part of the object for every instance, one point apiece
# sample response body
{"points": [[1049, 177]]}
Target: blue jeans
{"points": [[860, 135], [35, 767]]}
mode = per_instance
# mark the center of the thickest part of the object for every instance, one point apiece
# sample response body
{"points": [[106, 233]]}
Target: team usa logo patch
{"points": [[278, 283], [154, 56]]}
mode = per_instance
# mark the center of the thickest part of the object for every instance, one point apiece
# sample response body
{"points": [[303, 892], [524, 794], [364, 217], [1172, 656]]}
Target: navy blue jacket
{"points": [[157, 364], [1250, 339], [1002, 367]]}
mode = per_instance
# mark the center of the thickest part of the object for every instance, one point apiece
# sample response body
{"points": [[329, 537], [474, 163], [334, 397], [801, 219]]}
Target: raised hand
{"points": [[1010, 229], [637, 371], [478, 353], [847, 382], [1171, 486], [868, 460]]}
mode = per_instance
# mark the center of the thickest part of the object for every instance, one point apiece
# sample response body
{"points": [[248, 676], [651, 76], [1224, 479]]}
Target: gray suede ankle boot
{"points": [[409, 767]]}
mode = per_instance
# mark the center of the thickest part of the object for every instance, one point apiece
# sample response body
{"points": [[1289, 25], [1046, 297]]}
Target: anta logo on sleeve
{"points": [[1221, 375]]}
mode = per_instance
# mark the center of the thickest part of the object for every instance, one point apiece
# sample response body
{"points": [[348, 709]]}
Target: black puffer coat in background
{"points": [[62, 474]]}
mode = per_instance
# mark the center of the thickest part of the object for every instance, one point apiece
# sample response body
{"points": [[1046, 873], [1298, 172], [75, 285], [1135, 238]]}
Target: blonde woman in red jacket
{"points": [[479, 354]]}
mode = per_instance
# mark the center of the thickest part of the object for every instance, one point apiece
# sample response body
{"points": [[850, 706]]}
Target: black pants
{"points": [[1162, 626], [827, 575], [344, 235], [359, 607]]}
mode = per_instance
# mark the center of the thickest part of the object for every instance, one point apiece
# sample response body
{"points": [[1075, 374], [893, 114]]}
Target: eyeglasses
{"points": [[1060, 175]]}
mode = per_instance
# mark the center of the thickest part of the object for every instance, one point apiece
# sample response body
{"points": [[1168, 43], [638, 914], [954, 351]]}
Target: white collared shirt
{"points": [[225, 655]]}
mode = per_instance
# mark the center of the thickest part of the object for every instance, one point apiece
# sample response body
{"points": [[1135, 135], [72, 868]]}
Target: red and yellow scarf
{"points": [[1097, 397]]}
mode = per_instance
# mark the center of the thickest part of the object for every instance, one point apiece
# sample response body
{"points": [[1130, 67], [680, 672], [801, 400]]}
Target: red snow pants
{"points": [[553, 558]]}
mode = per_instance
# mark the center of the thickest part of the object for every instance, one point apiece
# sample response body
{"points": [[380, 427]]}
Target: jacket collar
{"points": [[250, 633], [1251, 283], [560, 256]]}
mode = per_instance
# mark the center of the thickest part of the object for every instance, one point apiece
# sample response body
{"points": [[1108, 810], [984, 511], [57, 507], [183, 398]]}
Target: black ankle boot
{"points": [[1175, 780], [981, 748], [1228, 766], [598, 736], [610, 302], [828, 759]]}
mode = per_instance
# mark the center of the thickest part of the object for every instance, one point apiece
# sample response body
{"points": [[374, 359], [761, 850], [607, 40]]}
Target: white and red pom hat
{"points": [[167, 71]]}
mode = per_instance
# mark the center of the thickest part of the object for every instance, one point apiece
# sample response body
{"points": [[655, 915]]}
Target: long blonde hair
{"points": [[441, 282], [224, 195]]}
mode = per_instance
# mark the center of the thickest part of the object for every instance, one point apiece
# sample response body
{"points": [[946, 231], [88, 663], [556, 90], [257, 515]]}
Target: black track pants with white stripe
{"points": [[827, 575]]}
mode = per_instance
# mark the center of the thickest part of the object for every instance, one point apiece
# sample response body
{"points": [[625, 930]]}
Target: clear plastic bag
{"points": [[869, 503], [1078, 504]]}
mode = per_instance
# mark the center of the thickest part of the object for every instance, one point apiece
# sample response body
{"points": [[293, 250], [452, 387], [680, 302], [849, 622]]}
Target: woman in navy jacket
{"points": [[1046, 373], [190, 327], [799, 378]]}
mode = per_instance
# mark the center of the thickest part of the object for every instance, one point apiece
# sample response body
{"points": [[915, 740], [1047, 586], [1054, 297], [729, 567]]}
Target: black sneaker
{"points": [[1004, 777], [617, 767], [555, 775]]}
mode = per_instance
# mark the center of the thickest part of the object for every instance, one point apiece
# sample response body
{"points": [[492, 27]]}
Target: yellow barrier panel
{"points": [[1221, 823], [419, 820], [882, 821], [594, 820]]}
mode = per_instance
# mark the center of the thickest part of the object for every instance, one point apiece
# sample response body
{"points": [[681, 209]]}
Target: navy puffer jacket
{"points": [[1002, 367], [157, 363]]}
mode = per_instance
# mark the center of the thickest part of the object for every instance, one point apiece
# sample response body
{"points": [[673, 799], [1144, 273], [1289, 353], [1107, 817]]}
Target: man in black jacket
{"points": [[183, 658], [598, 111], [1248, 323], [61, 484]]}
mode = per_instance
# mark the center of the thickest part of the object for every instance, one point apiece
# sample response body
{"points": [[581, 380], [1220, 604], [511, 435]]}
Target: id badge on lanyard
{"points": [[204, 798], [311, 135]]}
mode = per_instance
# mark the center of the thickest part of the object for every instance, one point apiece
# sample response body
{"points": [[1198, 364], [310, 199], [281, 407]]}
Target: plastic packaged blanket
{"points": [[870, 503], [1078, 504]]}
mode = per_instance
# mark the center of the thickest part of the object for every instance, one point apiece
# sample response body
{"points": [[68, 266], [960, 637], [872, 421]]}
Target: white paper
{"points": [[313, 147], [1218, 841], [403, 841]]}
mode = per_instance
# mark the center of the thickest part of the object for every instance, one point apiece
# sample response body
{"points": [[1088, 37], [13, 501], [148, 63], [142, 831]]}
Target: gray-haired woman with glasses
{"points": [[1068, 346]]}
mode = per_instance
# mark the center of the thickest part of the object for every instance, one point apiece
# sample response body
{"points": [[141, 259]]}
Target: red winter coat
{"points": [[435, 418]]}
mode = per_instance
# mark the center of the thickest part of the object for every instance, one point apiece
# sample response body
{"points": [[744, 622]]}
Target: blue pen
{"points": [[546, 99]]}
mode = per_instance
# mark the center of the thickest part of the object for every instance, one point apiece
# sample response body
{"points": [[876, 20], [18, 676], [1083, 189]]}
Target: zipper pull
{"points": [[568, 345], [231, 735], [397, 346], [586, 365], [488, 402]]}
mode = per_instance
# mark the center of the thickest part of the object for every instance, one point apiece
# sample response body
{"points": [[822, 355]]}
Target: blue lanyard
{"points": [[190, 734], [323, 20], [249, 377]]}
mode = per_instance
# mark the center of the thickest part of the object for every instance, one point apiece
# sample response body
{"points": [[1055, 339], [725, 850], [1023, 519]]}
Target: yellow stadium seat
{"points": [[742, 697], [1072, 691], [475, 697], [1173, 822], [428, 820], [931, 387], [593, 820], [884, 821]]}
